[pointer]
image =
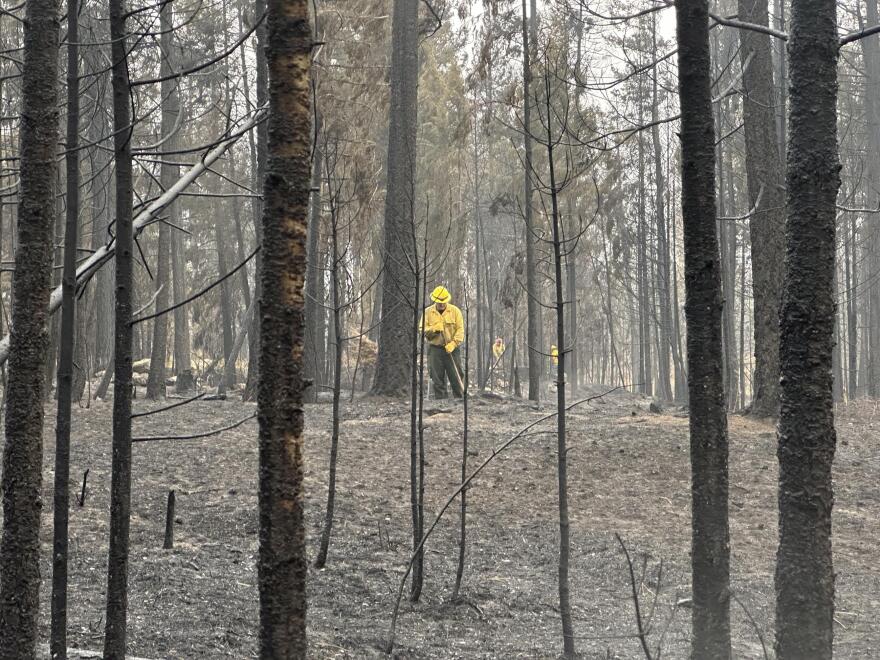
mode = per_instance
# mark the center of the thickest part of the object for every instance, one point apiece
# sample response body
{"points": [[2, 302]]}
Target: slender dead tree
{"points": [[23, 451], [561, 448], [462, 522], [58, 636], [710, 542], [120, 485], [314, 355], [417, 399], [804, 568], [282, 563], [333, 192]]}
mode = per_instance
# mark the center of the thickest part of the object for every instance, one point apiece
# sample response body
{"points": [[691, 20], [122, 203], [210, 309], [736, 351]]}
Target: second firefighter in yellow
{"points": [[443, 325]]}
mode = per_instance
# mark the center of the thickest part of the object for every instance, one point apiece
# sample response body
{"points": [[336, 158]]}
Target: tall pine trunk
{"points": [[120, 485], [23, 451], [710, 543], [393, 362], [58, 636], [167, 176], [766, 198], [282, 564], [258, 164], [871, 186], [804, 570], [664, 375], [533, 308]]}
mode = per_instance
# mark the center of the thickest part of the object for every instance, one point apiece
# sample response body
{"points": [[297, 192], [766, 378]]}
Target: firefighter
{"points": [[443, 325]]}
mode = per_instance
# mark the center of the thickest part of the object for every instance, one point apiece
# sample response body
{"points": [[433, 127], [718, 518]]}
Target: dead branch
{"points": [[641, 634], [197, 294], [195, 436], [168, 407]]}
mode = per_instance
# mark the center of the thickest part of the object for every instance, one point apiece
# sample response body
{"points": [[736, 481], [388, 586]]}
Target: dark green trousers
{"points": [[442, 369]]}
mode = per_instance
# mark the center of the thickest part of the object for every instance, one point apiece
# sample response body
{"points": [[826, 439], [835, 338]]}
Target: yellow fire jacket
{"points": [[450, 324]]}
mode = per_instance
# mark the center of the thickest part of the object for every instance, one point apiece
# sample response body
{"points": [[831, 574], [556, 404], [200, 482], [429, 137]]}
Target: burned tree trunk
{"points": [[533, 308], [182, 337], [571, 291], [392, 365], [643, 291], [314, 348], [871, 188], [101, 319], [61, 499], [336, 264], [226, 312], [229, 367], [258, 162], [23, 451], [665, 342], [764, 175], [120, 486], [710, 544], [804, 571], [568, 638], [167, 177], [282, 564]]}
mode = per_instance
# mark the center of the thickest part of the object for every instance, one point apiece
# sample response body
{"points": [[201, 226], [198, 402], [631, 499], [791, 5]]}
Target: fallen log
{"points": [[147, 216]]}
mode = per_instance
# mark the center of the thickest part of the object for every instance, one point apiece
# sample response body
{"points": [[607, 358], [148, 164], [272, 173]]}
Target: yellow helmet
{"points": [[441, 295]]}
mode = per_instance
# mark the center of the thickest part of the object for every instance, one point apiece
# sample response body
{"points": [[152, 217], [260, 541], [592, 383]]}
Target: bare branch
{"points": [[196, 436], [859, 34], [733, 22]]}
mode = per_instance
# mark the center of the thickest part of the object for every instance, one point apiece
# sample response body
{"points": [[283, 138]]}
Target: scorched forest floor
{"points": [[629, 475]]}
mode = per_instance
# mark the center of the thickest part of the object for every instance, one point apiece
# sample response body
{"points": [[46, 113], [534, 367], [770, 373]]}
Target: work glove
{"points": [[431, 335], [450, 347]]}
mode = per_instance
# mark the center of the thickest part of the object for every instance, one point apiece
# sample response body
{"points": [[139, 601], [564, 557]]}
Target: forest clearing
{"points": [[629, 476]]}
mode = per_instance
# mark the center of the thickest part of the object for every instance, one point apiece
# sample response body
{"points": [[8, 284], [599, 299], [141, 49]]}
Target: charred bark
{"points": [[804, 568], [58, 635], [871, 185], [398, 303], [258, 162], [23, 451], [120, 485], [167, 177], [282, 564], [710, 543], [766, 198], [533, 309]]}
